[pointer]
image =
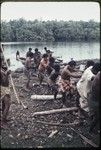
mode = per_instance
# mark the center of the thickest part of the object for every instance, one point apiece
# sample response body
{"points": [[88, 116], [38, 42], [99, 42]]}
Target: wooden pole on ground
{"points": [[58, 124], [45, 97], [17, 98], [84, 138], [55, 111]]}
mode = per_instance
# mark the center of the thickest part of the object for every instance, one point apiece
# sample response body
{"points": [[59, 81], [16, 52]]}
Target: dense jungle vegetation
{"points": [[29, 31]]}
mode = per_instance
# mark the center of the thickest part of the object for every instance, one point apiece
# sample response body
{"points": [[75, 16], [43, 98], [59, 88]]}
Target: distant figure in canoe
{"points": [[37, 58], [9, 62], [45, 48], [30, 53], [42, 67], [53, 78], [17, 55], [48, 52], [5, 99], [64, 81]]}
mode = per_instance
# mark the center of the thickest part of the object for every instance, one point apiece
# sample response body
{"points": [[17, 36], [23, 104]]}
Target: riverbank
{"points": [[26, 131]]}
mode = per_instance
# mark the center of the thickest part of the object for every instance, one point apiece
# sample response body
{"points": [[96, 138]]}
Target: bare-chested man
{"points": [[64, 81], [37, 58], [52, 81], [42, 67], [27, 70]]}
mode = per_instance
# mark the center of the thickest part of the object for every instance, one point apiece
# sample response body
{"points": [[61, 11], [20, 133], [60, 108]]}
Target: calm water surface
{"points": [[65, 50]]}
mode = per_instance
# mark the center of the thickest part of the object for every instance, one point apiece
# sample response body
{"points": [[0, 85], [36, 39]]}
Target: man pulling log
{"points": [[64, 82], [5, 92], [52, 81], [94, 102], [37, 58], [27, 70], [42, 67]]}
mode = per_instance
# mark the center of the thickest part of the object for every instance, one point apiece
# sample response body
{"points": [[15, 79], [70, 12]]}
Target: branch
{"points": [[84, 138], [55, 111], [58, 124]]}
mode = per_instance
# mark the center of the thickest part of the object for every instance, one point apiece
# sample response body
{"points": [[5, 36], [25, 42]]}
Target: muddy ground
{"points": [[23, 130]]}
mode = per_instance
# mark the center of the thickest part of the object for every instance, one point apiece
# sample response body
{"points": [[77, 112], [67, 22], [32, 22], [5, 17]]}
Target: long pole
{"points": [[17, 98]]}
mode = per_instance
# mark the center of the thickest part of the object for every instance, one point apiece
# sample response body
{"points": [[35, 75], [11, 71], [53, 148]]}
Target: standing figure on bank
{"points": [[42, 67], [37, 58], [50, 67], [27, 70], [5, 93], [29, 53]]}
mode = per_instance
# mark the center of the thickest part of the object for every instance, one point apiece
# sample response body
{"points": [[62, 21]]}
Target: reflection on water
{"points": [[66, 50]]}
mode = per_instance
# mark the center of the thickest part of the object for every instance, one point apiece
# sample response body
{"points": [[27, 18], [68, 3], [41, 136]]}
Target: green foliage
{"points": [[29, 31]]}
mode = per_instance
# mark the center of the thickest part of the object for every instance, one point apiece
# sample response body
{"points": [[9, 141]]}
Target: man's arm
{"points": [[75, 75]]}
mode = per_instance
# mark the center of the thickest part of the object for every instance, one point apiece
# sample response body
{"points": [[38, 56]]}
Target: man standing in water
{"points": [[17, 55]]}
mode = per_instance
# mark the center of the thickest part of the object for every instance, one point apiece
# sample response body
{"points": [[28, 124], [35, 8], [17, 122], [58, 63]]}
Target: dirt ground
{"points": [[24, 130]]}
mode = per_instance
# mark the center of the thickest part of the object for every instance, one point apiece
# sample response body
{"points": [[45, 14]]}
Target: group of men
{"points": [[59, 81]]}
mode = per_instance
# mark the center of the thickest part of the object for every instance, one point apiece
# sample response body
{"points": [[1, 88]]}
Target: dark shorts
{"points": [[53, 88], [27, 72], [41, 75], [93, 106]]}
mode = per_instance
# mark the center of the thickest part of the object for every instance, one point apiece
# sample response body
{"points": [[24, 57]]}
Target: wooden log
{"points": [[44, 97], [58, 124], [55, 111]]}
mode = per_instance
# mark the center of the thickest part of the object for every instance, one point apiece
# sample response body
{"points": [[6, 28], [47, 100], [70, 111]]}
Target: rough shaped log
{"points": [[44, 97], [55, 111], [58, 124]]}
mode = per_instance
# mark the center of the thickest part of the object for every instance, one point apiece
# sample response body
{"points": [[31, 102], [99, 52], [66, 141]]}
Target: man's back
{"points": [[84, 84], [29, 54]]}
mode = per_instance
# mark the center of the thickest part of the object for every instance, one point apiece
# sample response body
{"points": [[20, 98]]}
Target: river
{"points": [[65, 50]]}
